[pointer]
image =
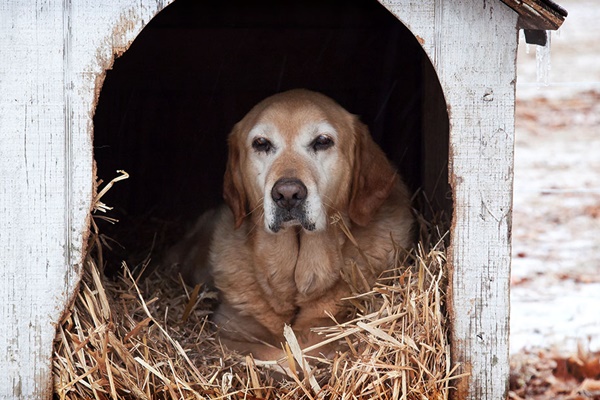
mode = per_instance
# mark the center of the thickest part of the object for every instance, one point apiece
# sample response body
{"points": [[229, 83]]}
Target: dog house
{"points": [[435, 82]]}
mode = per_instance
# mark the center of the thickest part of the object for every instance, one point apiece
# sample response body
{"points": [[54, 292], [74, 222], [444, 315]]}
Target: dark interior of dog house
{"points": [[169, 102]]}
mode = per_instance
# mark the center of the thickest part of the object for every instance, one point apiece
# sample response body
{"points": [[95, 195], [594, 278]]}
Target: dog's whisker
{"points": [[260, 217], [330, 206], [258, 207], [252, 229]]}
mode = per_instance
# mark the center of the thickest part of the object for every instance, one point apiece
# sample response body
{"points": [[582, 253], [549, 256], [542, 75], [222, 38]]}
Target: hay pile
{"points": [[150, 338]]}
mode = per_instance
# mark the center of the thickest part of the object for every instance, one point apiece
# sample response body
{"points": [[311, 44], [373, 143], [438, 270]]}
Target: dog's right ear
{"points": [[233, 186]]}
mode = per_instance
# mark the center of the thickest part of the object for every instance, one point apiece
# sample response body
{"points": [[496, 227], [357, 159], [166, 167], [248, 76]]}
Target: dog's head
{"points": [[297, 156]]}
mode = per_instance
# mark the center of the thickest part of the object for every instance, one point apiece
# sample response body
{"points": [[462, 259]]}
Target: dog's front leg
{"points": [[319, 262]]}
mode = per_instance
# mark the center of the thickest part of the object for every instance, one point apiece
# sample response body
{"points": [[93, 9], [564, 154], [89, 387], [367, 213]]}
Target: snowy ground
{"points": [[555, 291]]}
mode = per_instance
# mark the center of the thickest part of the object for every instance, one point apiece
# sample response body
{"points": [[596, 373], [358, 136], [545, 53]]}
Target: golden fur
{"points": [[271, 271]]}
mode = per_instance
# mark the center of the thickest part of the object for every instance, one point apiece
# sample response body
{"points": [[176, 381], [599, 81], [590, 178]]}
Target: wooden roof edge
{"points": [[538, 14]]}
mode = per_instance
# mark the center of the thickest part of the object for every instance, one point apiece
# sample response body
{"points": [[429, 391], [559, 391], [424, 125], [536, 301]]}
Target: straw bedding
{"points": [[148, 336]]}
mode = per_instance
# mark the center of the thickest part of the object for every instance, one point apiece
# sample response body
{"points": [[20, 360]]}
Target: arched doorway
{"points": [[169, 102]]}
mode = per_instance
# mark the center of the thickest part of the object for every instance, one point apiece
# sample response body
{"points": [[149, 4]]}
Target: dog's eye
{"points": [[262, 144], [322, 142]]}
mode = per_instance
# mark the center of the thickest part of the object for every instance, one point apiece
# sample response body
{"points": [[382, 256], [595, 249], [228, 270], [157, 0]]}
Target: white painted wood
{"points": [[53, 57], [473, 48], [54, 54]]}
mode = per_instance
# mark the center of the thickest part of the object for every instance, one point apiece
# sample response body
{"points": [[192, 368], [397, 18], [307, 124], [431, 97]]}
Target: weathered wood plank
{"points": [[419, 17], [538, 14], [480, 87], [472, 45], [53, 57]]}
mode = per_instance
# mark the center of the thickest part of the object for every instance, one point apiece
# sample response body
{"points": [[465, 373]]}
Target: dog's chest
{"points": [[293, 265]]}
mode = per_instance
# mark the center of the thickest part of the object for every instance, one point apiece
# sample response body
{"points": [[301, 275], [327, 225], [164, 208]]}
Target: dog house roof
{"points": [[538, 14]]}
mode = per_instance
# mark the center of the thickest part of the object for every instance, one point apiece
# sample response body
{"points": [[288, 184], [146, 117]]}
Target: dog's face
{"points": [[297, 156]]}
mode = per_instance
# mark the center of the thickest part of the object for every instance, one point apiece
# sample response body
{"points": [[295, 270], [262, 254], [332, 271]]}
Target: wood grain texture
{"points": [[538, 14], [472, 45], [54, 54]]}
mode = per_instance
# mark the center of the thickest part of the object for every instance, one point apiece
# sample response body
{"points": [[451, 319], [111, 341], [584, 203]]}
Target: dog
{"points": [[300, 169]]}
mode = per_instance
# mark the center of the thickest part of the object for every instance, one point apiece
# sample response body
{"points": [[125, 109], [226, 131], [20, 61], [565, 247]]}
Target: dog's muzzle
{"points": [[289, 195]]}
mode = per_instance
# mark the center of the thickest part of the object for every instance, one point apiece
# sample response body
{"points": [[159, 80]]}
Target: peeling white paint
{"points": [[54, 56], [473, 50]]}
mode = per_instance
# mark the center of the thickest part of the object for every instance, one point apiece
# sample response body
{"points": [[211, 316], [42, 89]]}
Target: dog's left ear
{"points": [[373, 177], [233, 187]]}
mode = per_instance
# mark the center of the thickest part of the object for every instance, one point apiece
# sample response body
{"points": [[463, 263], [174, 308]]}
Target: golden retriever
{"points": [[296, 162]]}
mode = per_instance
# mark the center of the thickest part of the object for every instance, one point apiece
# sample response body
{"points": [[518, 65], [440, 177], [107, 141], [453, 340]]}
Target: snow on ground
{"points": [[555, 290]]}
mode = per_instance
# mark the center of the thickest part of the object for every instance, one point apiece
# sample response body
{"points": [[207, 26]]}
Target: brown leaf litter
{"points": [[548, 374]]}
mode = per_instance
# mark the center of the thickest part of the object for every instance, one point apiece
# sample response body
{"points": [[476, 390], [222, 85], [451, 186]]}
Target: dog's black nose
{"points": [[288, 193]]}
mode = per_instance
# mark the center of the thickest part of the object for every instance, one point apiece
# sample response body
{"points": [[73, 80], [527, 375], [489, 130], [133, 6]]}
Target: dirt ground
{"points": [[555, 288]]}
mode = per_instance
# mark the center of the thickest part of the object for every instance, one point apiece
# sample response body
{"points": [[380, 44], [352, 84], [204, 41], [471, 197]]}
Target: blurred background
{"points": [[556, 231], [555, 286]]}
